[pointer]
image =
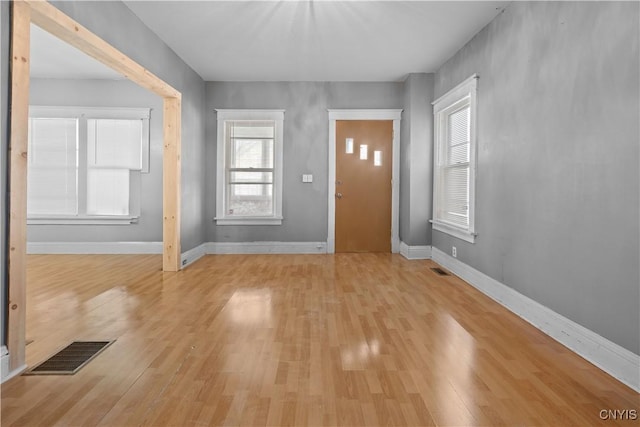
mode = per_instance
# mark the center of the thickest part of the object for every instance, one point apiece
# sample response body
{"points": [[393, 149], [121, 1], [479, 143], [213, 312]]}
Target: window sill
{"points": [[82, 220], [249, 221], [459, 233]]}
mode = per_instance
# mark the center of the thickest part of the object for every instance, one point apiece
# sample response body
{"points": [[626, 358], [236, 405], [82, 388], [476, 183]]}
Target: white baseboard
{"points": [[78, 248], [617, 361], [266, 248], [5, 375], [14, 373], [415, 252], [228, 248], [192, 255], [4, 362], [187, 257]]}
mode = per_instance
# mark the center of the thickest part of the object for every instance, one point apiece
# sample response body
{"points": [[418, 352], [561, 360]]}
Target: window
{"points": [[249, 173], [455, 160], [83, 163]]}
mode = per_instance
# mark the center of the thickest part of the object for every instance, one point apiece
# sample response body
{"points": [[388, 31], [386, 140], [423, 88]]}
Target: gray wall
{"points": [[4, 145], [416, 151], [115, 23], [306, 136], [108, 93], [557, 210]]}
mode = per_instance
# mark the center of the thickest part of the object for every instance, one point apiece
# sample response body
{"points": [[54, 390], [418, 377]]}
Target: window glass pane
{"points": [[250, 177], [349, 146], [364, 152], [458, 143], [53, 142], [456, 187], [250, 200], [52, 171], [458, 154], [251, 129], [114, 143], [251, 153], [459, 126], [52, 191], [108, 191], [377, 158]]}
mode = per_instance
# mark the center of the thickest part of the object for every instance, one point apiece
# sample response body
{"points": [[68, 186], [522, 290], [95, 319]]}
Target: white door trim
{"points": [[394, 115]]}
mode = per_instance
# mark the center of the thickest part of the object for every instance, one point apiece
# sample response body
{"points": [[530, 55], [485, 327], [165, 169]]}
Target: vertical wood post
{"points": [[19, 123], [171, 184]]}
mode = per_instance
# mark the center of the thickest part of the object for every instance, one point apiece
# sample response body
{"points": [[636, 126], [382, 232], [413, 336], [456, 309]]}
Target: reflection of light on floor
{"points": [[116, 304], [250, 307], [359, 353], [456, 364]]}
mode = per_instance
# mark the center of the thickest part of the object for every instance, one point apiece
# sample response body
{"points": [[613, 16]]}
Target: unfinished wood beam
{"points": [[53, 20], [171, 184], [19, 124], [60, 25]]}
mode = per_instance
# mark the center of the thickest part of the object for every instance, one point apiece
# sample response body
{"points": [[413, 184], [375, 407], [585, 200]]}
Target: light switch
{"points": [[307, 178]]}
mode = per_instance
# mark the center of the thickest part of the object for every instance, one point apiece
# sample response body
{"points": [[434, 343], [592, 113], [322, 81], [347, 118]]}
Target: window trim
{"points": [[83, 114], [441, 107], [82, 220], [224, 115]]}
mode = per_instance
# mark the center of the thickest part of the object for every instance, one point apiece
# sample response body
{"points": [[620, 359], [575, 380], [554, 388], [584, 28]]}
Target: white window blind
{"points": [[52, 173], [115, 143], [107, 191], [114, 149], [454, 161]]}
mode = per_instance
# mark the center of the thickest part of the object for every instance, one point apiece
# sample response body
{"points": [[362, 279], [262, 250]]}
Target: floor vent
{"points": [[439, 271], [70, 359]]}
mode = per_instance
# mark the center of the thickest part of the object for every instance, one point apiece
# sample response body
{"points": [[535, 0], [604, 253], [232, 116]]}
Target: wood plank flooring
{"points": [[282, 340]]}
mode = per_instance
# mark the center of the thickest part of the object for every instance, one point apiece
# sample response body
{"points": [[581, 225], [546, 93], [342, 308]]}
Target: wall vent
{"points": [[70, 359], [439, 271]]}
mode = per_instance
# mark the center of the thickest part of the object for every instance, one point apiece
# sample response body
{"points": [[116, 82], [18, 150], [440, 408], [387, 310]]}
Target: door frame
{"points": [[365, 114]]}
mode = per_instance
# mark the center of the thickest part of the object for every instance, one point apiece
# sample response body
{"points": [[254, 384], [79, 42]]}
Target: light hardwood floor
{"points": [[254, 340]]}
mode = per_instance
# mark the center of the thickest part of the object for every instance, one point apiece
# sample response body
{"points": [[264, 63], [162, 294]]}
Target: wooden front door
{"points": [[363, 185]]}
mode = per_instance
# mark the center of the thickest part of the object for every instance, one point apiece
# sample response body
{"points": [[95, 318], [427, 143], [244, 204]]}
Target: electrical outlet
{"points": [[184, 262], [454, 252]]}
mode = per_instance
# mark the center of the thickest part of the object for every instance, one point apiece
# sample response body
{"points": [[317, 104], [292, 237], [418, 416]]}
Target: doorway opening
{"points": [[54, 21]]}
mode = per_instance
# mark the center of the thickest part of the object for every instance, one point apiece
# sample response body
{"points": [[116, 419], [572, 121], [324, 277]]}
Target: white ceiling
{"points": [[295, 40]]}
